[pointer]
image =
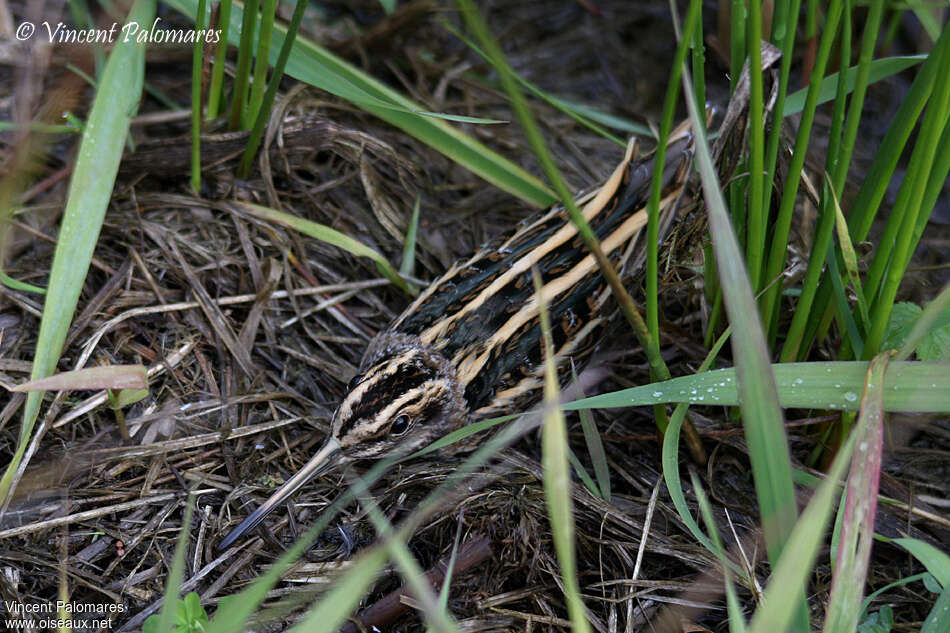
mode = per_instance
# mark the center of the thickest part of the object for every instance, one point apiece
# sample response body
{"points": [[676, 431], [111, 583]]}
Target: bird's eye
{"points": [[355, 380], [400, 425]]}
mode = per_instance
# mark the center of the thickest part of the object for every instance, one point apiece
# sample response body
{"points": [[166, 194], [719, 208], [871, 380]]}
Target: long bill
{"points": [[319, 463]]}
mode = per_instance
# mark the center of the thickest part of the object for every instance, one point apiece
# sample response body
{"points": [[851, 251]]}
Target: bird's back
{"points": [[482, 314]]}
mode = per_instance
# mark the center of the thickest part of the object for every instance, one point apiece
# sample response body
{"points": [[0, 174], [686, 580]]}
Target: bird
{"points": [[469, 346]]}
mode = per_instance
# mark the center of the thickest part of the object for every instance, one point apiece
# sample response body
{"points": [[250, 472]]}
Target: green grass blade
{"points": [[859, 509], [166, 617], [783, 223], [329, 235], [936, 561], [757, 211], [408, 265], [821, 247], [316, 66], [922, 163], [395, 543], [598, 457], [777, 612], [267, 100], [15, 284], [879, 69], [736, 619], [261, 62], [235, 610], [90, 190], [557, 474], [911, 387], [197, 58], [659, 161], [588, 117], [216, 85], [867, 202], [761, 415], [582, 474], [243, 37], [670, 453]]}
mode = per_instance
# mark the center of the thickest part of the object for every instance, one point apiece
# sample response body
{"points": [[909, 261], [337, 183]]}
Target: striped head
{"points": [[405, 396]]}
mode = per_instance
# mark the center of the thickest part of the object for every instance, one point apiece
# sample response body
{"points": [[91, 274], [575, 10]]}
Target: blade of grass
{"points": [[859, 510], [867, 202], [90, 189], [879, 69], [821, 246], [197, 59], [912, 386], [104, 377], [777, 612], [935, 121], [761, 415], [585, 478], [242, 74], [670, 453], [216, 85], [936, 561], [580, 114], [437, 617], [757, 213], [557, 479], [736, 619], [850, 259], [659, 161], [316, 66], [233, 615], [261, 61], [938, 619], [595, 447], [329, 235], [267, 100], [783, 34], [783, 223], [408, 265], [166, 617]]}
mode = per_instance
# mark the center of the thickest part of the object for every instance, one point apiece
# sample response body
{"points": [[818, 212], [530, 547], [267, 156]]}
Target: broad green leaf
{"points": [[878, 622], [903, 317], [935, 346]]}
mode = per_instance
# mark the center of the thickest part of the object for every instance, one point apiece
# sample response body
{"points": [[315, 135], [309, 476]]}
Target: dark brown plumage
{"points": [[469, 347]]}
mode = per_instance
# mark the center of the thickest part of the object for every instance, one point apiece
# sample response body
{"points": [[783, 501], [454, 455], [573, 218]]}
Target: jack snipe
{"points": [[469, 347]]}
